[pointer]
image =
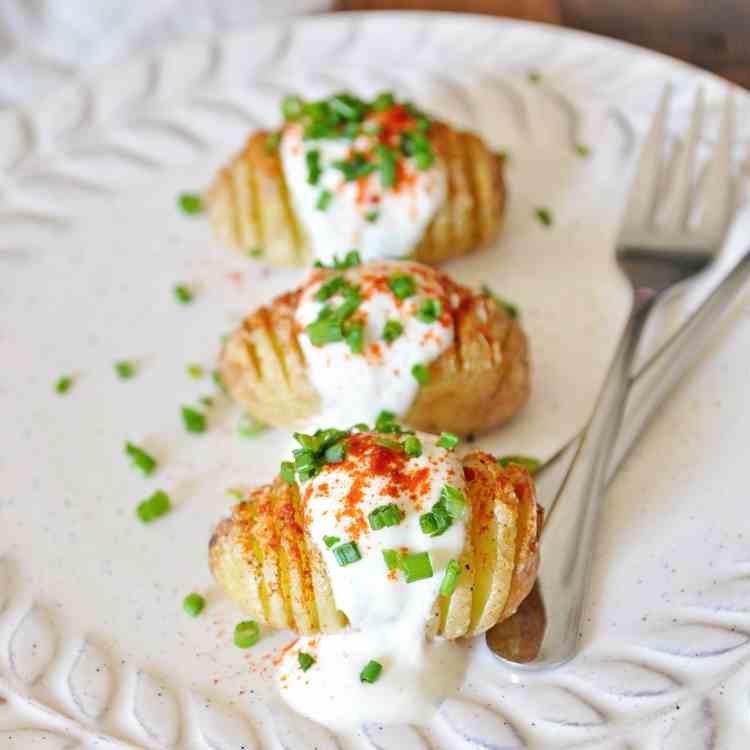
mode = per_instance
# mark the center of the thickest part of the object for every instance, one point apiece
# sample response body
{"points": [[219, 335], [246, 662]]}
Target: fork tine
{"points": [[645, 182], [676, 204], [717, 189]]}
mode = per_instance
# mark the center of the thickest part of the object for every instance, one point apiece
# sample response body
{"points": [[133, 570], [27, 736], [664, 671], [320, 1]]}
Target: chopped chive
{"points": [[530, 464], [193, 420], [430, 310], [305, 661], [392, 445], [183, 294], [287, 472], [250, 427], [509, 307], [324, 331], [153, 507], [454, 501], [361, 427], [312, 159], [412, 446], [417, 566], [402, 285], [195, 371], [424, 159], [371, 671], [193, 604], [450, 578], [64, 384], [448, 440], [272, 142], [219, 382], [330, 288], [387, 161], [534, 76], [330, 541], [420, 373], [235, 492], [385, 422], [324, 200], [292, 107], [124, 369], [384, 516], [190, 203], [582, 150], [347, 553], [428, 523], [544, 215], [392, 330], [335, 453], [392, 558], [142, 461], [206, 400], [383, 101], [246, 634], [255, 252], [355, 337], [372, 216]]}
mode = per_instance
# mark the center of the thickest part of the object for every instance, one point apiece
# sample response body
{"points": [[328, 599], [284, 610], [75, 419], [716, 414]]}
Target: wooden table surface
{"points": [[713, 34]]}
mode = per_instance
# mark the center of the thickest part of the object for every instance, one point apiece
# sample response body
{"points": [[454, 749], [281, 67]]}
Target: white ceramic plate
{"points": [[94, 648]]}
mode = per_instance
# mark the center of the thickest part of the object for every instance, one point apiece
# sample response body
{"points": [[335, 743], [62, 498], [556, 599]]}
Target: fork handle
{"points": [[569, 532]]}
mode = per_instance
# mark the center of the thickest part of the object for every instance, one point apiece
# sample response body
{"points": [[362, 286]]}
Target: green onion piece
{"points": [[206, 400], [383, 101], [193, 420], [193, 604], [255, 252], [582, 150], [195, 371], [324, 331], [355, 337], [324, 200], [384, 516], [453, 500], [509, 307], [292, 107], [312, 159], [428, 523], [448, 440], [424, 160], [531, 464], [305, 661], [154, 506], [417, 566], [347, 553], [272, 142], [430, 310], [329, 288], [246, 634], [402, 285], [190, 203], [534, 76], [141, 460], [287, 472], [355, 167], [372, 216], [423, 124], [442, 517], [385, 421], [183, 294], [250, 427], [450, 578], [392, 330], [412, 446], [219, 382], [420, 373], [392, 445], [306, 464], [124, 369], [392, 558], [330, 541], [544, 215], [387, 162], [371, 671], [63, 384], [335, 453]]}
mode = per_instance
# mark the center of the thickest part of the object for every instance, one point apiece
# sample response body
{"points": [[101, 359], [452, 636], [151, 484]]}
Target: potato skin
{"points": [[249, 206], [482, 381], [265, 561]]}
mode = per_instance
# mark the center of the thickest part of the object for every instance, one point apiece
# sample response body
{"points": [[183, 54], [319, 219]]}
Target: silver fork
{"points": [[655, 257]]}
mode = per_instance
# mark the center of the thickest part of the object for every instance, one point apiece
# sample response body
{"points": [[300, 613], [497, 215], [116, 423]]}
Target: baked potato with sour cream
{"points": [[264, 559], [479, 382], [250, 209]]}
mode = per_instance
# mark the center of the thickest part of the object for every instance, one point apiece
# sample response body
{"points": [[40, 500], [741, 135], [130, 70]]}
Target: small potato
{"points": [[250, 210], [480, 382], [266, 562]]}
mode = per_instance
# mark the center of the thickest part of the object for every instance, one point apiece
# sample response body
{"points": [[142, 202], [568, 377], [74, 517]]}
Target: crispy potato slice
{"points": [[249, 207]]}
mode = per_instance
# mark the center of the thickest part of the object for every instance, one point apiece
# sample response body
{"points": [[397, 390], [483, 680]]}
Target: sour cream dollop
{"points": [[388, 616], [357, 386], [339, 214]]}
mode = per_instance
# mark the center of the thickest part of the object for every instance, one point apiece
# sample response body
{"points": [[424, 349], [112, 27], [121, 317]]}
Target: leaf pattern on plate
{"points": [[156, 710], [91, 680], [693, 729], [223, 728], [479, 726], [32, 645], [625, 679], [697, 641], [401, 737], [34, 739]]}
